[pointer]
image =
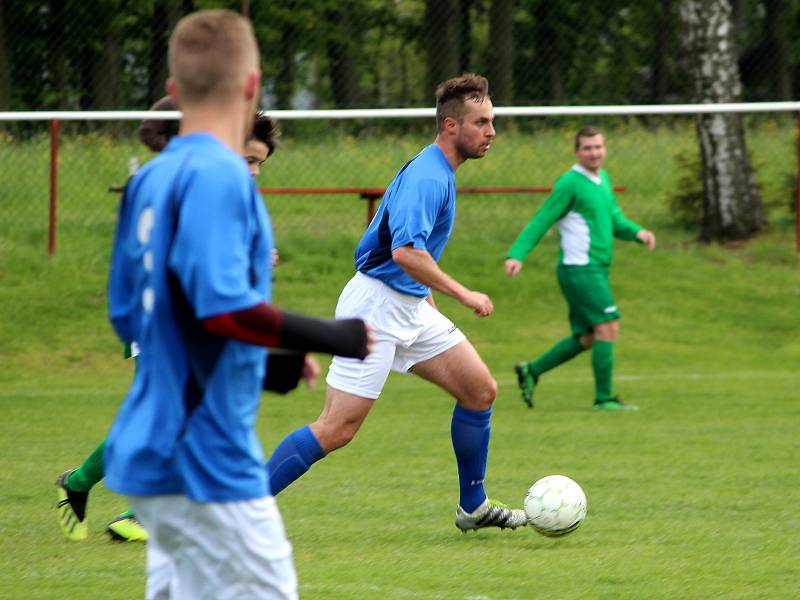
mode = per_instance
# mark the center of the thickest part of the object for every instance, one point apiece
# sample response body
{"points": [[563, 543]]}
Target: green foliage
{"points": [[686, 199], [69, 54]]}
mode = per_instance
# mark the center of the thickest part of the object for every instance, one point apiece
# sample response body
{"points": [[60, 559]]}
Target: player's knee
{"points": [[607, 332], [332, 436], [341, 437], [483, 395]]}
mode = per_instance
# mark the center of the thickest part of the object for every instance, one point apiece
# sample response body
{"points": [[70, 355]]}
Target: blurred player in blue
{"points": [[74, 485], [397, 267], [190, 282]]}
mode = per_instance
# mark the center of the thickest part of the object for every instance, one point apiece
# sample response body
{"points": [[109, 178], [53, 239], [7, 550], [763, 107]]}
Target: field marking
{"points": [[27, 392], [561, 380], [394, 591]]}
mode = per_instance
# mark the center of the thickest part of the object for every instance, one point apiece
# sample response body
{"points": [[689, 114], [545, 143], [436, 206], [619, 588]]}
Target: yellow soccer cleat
{"points": [[71, 510]]}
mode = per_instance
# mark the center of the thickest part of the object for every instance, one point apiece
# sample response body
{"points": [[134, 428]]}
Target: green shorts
{"points": [[588, 295]]}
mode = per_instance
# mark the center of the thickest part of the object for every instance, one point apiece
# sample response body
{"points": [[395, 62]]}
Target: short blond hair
{"points": [[210, 54]]}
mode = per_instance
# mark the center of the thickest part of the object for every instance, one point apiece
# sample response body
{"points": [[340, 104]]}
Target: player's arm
{"points": [[554, 208], [213, 266], [625, 229], [419, 265], [267, 325]]}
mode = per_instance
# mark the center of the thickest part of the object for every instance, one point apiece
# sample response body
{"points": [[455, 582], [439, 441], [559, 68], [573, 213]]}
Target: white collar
{"points": [[586, 173]]}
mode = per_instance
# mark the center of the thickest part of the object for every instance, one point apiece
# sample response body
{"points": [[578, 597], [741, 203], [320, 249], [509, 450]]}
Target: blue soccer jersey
{"points": [[418, 209], [193, 241]]}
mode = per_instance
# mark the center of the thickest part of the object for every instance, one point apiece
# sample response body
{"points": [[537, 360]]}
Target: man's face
{"points": [[475, 133], [255, 153], [591, 152]]}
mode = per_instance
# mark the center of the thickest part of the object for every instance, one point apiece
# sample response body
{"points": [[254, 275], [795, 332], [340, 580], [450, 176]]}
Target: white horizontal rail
{"points": [[401, 113]]}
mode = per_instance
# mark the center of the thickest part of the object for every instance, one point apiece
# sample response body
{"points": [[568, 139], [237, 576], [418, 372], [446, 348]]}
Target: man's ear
{"points": [[252, 85], [172, 90]]}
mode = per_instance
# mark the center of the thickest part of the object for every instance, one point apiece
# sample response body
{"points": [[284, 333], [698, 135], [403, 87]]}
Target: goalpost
{"points": [[56, 117]]}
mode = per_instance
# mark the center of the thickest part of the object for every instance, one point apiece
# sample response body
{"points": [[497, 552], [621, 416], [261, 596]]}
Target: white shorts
{"points": [[215, 550], [407, 330]]}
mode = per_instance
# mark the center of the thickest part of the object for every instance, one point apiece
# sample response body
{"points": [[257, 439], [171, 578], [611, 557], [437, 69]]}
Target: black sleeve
{"points": [[283, 370], [342, 337]]}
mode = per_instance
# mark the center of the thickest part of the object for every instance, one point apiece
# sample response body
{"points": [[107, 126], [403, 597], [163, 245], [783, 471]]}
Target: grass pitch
{"points": [[693, 497]]}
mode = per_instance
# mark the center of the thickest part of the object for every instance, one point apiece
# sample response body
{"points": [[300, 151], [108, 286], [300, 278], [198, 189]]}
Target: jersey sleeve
{"points": [[413, 215], [555, 207], [210, 253]]}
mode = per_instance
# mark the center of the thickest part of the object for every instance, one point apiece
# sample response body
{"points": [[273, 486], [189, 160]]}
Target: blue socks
{"points": [[292, 458], [470, 432]]}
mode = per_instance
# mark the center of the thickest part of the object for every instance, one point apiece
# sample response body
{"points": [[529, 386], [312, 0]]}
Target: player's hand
{"points": [[648, 238], [429, 299], [371, 340], [310, 371], [513, 267], [480, 303], [274, 258]]}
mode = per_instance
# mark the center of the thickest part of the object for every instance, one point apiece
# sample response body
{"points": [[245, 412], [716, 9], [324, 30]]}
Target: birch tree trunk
{"points": [[732, 208]]}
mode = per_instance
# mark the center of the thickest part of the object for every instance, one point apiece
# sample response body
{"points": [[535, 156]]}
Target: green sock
{"points": [[560, 353], [89, 473], [603, 366]]}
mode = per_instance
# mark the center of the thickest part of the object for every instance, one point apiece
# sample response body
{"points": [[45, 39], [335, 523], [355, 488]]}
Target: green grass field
{"points": [[693, 497]]}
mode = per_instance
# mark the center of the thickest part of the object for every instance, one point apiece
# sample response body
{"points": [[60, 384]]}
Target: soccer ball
{"points": [[555, 505]]}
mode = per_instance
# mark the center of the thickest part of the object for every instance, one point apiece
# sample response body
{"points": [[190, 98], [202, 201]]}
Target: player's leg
{"points": [[126, 527], [605, 334], [72, 491], [353, 386], [528, 373], [159, 512], [598, 306], [461, 372], [216, 550], [339, 421]]}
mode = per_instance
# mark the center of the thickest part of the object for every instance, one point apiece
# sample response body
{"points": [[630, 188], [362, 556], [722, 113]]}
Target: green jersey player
{"points": [[588, 217]]}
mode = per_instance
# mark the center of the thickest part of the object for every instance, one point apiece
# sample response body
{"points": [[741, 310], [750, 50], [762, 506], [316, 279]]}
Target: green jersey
{"points": [[588, 217]]}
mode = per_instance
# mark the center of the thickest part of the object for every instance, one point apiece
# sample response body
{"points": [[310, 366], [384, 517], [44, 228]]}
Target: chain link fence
{"points": [[109, 54]]}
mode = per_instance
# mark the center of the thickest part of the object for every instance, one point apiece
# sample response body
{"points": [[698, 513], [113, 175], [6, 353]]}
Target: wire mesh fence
{"points": [[334, 54], [655, 158], [111, 54]]}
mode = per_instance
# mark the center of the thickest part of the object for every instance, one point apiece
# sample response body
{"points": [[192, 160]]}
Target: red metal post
{"points": [[51, 243]]}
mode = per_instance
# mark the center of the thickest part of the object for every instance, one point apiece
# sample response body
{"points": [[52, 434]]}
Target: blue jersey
{"points": [[193, 241], [418, 209]]}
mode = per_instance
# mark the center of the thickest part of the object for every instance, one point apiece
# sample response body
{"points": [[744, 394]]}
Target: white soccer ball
{"points": [[555, 505]]}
